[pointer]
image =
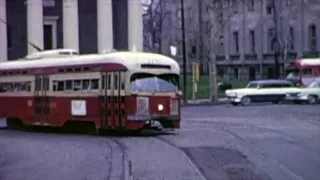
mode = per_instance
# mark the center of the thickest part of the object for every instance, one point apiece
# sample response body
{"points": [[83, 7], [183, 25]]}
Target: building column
{"points": [[105, 26], [135, 26], [34, 25], [70, 24], [3, 32]]}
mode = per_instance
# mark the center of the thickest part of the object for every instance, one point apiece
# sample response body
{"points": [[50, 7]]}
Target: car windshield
{"points": [[314, 84], [252, 85], [154, 83]]}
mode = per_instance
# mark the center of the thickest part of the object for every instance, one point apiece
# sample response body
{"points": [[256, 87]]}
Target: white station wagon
{"points": [[261, 91], [309, 94]]}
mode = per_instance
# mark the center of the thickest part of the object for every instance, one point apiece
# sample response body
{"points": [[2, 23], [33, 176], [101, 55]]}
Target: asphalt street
{"points": [[257, 142], [51, 156]]}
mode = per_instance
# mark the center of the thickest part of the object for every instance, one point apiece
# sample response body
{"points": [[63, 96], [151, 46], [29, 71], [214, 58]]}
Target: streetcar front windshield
{"points": [[154, 83]]}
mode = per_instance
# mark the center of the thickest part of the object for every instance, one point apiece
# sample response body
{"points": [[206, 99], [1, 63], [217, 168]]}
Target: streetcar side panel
{"points": [[16, 97]]}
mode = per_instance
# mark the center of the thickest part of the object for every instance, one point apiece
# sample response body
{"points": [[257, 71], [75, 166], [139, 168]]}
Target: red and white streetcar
{"points": [[116, 90], [304, 71]]}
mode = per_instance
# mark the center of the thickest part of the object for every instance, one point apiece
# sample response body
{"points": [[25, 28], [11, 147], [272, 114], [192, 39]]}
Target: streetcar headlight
{"points": [[142, 106], [160, 107], [174, 106]]}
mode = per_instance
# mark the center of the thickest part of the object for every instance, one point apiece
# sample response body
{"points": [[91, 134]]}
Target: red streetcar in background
{"points": [[117, 90], [304, 71]]}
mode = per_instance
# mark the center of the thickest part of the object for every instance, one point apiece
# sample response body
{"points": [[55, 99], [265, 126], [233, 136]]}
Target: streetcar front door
{"points": [[113, 100], [42, 101]]}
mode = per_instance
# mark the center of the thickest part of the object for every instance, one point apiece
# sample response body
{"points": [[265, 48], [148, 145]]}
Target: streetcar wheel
{"points": [[14, 123]]}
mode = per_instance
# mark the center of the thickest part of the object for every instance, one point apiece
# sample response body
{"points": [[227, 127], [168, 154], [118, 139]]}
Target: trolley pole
{"points": [[184, 58]]}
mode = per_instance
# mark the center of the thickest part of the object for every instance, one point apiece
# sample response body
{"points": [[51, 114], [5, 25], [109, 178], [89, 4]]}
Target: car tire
{"points": [[245, 101], [235, 103], [312, 99], [296, 102]]}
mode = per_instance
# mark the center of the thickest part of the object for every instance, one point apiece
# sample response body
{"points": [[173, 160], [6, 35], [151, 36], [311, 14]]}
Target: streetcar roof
{"points": [[130, 60], [309, 62]]}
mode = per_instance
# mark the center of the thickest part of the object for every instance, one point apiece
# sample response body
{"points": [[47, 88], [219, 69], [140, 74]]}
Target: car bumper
{"points": [[233, 99]]}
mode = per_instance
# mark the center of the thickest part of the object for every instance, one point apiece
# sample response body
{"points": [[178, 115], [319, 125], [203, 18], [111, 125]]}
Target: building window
{"points": [[179, 23], [48, 3], [179, 13], [289, 2], [271, 40], [236, 41], [269, 7], [291, 39], [207, 27], [236, 73], [234, 5], [252, 74], [270, 73], [189, 15], [312, 37], [169, 16], [252, 41], [251, 5], [221, 40]]}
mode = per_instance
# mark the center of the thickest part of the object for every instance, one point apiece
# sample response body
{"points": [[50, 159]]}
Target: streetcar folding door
{"points": [[113, 109], [42, 101]]}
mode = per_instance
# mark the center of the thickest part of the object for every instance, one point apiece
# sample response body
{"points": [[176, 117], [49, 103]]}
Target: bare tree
{"points": [[283, 38], [219, 18], [154, 23]]}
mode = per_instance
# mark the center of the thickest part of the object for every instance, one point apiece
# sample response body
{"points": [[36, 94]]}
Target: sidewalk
{"points": [[200, 102]]}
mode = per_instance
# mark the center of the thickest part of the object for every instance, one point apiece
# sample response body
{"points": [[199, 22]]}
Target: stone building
{"points": [[88, 26], [245, 29]]}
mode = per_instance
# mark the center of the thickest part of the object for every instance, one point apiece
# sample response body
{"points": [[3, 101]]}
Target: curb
{"points": [[204, 103]]}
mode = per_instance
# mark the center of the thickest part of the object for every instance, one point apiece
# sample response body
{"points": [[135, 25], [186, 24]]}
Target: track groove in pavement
{"points": [[297, 141], [188, 159]]}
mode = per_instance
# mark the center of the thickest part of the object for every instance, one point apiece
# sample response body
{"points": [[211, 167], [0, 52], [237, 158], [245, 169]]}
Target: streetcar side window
{"points": [[109, 81], [76, 85], [123, 81], [115, 80], [94, 84], [61, 85], [15, 86], [69, 85]]}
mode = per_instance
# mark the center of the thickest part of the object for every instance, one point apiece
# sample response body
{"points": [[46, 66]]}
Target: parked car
{"points": [[261, 91], [309, 94]]}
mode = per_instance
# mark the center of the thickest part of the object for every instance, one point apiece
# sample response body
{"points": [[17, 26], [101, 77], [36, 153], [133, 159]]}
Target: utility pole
{"points": [[276, 41], [215, 41], [184, 58], [199, 52]]}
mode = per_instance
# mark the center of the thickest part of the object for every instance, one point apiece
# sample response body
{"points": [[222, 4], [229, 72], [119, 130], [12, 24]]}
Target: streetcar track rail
{"points": [[293, 176], [291, 139], [126, 173], [273, 159], [126, 160]]}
